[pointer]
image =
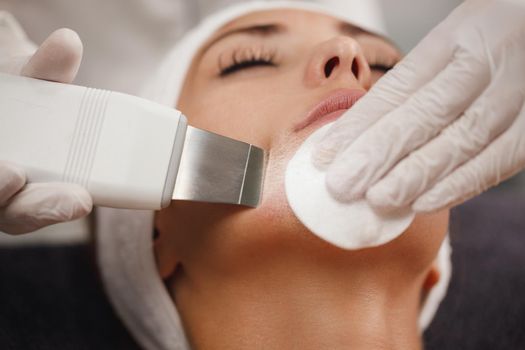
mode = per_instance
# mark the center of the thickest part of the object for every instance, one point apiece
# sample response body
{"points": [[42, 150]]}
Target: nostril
{"points": [[330, 65], [355, 68]]}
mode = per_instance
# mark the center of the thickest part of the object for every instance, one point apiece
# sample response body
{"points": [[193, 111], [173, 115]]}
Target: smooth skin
{"points": [[246, 278]]}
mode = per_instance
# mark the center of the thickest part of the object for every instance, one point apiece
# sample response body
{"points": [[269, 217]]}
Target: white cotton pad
{"points": [[352, 225]]}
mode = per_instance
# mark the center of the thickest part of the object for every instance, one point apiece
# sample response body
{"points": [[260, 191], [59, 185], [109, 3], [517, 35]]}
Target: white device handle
{"points": [[123, 149]]}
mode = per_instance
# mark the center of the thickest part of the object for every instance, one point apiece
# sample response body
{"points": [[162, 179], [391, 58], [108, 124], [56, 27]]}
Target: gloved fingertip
{"points": [[67, 38], [388, 195], [322, 157], [426, 204], [57, 59], [12, 173], [15, 46], [346, 177], [83, 203], [10, 25], [324, 152], [42, 204], [380, 200], [342, 189], [12, 179], [73, 202]]}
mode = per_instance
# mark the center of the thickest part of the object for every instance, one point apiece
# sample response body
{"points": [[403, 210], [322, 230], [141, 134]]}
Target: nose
{"points": [[340, 58]]}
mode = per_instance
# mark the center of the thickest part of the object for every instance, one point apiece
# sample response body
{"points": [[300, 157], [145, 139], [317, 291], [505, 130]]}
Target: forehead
{"points": [[285, 16], [282, 20]]}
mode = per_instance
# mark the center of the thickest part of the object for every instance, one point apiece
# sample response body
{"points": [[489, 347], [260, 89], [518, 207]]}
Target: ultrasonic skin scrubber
{"points": [[128, 152]]}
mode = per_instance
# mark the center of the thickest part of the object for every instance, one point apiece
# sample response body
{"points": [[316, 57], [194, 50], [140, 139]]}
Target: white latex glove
{"points": [[25, 208], [445, 124]]}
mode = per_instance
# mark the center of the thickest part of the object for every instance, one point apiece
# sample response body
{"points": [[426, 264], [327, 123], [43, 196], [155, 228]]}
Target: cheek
{"points": [[271, 228], [274, 199], [279, 230], [238, 113]]}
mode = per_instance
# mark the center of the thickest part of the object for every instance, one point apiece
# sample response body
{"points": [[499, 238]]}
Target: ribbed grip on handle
{"points": [[91, 115]]}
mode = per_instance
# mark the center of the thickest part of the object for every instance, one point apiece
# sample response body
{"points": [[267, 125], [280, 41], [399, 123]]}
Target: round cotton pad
{"points": [[352, 225]]}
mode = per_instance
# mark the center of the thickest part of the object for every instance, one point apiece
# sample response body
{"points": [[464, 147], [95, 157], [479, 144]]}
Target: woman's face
{"points": [[256, 80], [258, 77], [262, 73]]}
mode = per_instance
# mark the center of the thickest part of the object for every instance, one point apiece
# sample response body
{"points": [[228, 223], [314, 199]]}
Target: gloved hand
{"points": [[445, 124], [25, 208]]}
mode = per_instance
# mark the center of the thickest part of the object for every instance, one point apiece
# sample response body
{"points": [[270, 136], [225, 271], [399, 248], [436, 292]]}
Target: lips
{"points": [[331, 107]]}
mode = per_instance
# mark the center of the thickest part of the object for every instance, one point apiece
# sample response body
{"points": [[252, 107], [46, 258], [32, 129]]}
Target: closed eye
{"points": [[381, 67], [244, 58], [246, 64]]}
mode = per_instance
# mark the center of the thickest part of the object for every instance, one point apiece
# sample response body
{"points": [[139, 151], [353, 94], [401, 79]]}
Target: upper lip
{"points": [[341, 99]]}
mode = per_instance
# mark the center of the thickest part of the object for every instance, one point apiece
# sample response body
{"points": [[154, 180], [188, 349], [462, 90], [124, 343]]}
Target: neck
{"points": [[297, 310], [276, 286]]}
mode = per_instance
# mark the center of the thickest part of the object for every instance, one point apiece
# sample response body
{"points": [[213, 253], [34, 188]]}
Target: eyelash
{"points": [[381, 67], [261, 58], [248, 58]]}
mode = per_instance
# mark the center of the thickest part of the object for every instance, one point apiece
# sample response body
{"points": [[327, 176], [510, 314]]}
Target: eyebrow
{"points": [[258, 29], [349, 29], [274, 28]]}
